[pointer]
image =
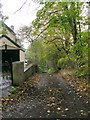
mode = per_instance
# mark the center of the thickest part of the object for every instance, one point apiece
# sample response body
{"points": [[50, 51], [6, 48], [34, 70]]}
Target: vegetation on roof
{"points": [[4, 28]]}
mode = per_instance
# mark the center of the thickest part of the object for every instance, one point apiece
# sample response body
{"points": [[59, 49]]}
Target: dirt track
{"points": [[51, 97]]}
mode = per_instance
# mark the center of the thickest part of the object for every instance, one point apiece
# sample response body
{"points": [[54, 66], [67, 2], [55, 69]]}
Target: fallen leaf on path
{"points": [[80, 96], [87, 102], [81, 110], [64, 115], [48, 111], [58, 108], [66, 109]]}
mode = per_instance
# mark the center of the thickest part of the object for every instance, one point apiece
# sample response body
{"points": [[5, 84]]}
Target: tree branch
{"points": [[21, 7], [41, 33]]}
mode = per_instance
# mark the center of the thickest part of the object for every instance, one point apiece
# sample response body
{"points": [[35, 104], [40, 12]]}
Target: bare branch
{"points": [[21, 7]]}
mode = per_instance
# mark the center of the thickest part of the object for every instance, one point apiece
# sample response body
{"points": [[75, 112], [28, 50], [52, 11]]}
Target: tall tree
{"points": [[58, 26]]}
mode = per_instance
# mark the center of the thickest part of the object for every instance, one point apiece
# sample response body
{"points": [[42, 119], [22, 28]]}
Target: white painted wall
{"points": [[10, 45], [22, 56]]}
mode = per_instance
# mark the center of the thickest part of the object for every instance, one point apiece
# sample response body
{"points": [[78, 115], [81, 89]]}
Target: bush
{"points": [[61, 62], [13, 90], [41, 69], [82, 71], [65, 63], [51, 71]]}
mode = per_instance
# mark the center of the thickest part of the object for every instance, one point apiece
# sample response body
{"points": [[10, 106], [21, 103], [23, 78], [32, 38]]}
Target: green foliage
{"points": [[2, 28], [35, 54], [13, 90], [51, 71], [41, 68], [82, 71], [61, 63], [61, 41], [4, 31]]}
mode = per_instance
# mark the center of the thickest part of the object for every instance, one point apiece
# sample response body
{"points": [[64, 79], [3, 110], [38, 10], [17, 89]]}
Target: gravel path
{"points": [[52, 97]]}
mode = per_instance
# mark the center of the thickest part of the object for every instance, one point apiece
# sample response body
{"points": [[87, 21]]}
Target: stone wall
{"points": [[20, 74], [30, 70]]}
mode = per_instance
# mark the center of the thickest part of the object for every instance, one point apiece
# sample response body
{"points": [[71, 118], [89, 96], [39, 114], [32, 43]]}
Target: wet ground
{"points": [[51, 97]]}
